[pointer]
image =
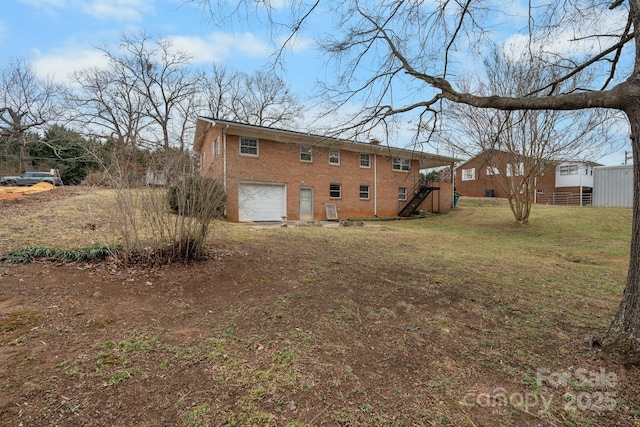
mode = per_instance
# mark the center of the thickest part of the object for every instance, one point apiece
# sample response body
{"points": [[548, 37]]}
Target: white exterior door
{"points": [[261, 202], [306, 204]]}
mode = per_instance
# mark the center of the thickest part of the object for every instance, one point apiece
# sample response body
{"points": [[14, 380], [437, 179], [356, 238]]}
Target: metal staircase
{"points": [[418, 195]]}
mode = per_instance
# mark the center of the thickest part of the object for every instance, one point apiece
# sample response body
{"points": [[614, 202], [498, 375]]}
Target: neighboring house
{"points": [[558, 182], [270, 174], [573, 184], [613, 186]]}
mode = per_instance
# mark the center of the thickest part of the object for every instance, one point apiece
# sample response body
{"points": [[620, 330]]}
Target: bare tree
{"points": [[217, 86], [414, 46], [144, 97], [264, 99], [260, 98], [519, 145], [107, 106], [163, 77], [27, 104]]}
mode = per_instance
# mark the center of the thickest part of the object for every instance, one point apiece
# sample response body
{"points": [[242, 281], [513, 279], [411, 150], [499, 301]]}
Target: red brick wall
{"points": [[547, 181], [444, 196], [280, 163], [212, 166], [484, 182]]}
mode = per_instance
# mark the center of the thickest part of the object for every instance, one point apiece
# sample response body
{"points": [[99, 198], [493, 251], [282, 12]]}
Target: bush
{"points": [[158, 225], [97, 179], [199, 197]]}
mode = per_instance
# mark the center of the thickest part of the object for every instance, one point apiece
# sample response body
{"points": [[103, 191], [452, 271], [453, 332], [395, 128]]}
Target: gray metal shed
{"points": [[613, 186]]}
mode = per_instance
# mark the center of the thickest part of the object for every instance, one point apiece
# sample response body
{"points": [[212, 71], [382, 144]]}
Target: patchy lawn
{"points": [[457, 319]]}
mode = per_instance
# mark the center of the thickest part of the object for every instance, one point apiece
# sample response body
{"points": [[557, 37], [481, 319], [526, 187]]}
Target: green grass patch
{"points": [[31, 253]]}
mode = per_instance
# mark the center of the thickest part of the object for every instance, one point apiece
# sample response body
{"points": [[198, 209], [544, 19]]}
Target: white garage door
{"points": [[261, 202]]}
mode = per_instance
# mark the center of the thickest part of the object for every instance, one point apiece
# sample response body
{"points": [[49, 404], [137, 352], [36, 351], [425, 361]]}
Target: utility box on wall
{"points": [[613, 186]]}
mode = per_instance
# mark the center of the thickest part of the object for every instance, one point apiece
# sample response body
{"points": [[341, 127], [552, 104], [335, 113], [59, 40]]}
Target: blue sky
{"points": [[60, 36]]}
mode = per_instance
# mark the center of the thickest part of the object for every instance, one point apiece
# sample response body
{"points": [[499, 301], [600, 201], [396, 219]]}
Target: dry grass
{"points": [[395, 323]]}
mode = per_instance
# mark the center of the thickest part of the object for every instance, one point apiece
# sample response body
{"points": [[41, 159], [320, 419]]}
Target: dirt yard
{"points": [[296, 327]]}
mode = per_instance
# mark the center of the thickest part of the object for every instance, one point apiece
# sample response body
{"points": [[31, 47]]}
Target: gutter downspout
{"points": [[375, 185], [453, 185], [224, 157]]}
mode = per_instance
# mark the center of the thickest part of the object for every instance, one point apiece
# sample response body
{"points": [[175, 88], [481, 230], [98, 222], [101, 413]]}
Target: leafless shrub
{"points": [[159, 224]]}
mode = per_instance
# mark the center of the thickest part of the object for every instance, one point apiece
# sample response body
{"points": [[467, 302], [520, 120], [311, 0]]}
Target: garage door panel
{"points": [[261, 202]]}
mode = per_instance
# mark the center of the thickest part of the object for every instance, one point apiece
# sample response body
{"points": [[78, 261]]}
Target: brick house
{"points": [[558, 182], [272, 173]]}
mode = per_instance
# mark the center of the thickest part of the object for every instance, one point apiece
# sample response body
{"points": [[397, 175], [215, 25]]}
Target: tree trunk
{"points": [[25, 158], [622, 342], [520, 200]]}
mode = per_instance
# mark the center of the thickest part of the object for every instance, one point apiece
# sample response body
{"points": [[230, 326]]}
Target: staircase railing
{"points": [[416, 196]]}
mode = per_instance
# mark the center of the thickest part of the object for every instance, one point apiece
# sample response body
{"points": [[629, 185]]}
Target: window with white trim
{"points": [[365, 160], [334, 157], [515, 169], [492, 170], [306, 154], [569, 170], [248, 146], [335, 191], [364, 192], [469, 174], [216, 147], [402, 193], [402, 165]]}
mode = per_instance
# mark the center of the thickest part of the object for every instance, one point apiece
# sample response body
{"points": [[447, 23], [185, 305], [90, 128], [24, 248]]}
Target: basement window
{"points": [[364, 192], [335, 191], [402, 193]]}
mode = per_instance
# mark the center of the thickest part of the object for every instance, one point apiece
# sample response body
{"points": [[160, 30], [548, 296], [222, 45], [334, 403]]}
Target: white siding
{"points": [[583, 176], [613, 186]]}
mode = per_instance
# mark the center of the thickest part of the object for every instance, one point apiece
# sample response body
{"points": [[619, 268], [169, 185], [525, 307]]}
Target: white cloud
{"points": [[518, 11], [572, 40], [60, 63], [299, 43], [274, 4], [44, 4], [119, 10], [217, 46], [280, 4]]}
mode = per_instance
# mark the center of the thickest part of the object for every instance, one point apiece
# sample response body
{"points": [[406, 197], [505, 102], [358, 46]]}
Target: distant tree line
{"points": [[137, 112]]}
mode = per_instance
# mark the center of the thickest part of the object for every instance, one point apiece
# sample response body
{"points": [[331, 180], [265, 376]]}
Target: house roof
{"points": [[580, 162], [292, 137], [551, 161]]}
